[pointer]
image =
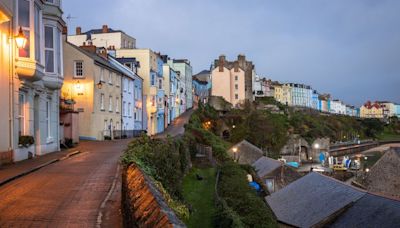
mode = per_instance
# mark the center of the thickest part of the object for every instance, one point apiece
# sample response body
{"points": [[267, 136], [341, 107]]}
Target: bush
{"points": [[241, 200], [26, 140]]}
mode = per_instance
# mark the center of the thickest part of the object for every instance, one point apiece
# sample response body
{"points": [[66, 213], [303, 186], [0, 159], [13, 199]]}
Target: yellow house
{"points": [[95, 86], [148, 71], [372, 110]]}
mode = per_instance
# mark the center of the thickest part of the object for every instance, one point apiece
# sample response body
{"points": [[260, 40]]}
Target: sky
{"points": [[350, 49]]}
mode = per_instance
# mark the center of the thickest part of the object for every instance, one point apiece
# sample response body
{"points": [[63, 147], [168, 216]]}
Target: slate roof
{"points": [[247, 153], [97, 58], [371, 211], [311, 199], [98, 31], [265, 166]]}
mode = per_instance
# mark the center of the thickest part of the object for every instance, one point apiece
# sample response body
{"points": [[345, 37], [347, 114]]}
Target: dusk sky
{"points": [[350, 49]]}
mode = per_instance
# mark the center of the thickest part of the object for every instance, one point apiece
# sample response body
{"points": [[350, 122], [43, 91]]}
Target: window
{"points": [[129, 109], [48, 118], [129, 86], [110, 106], [117, 105], [102, 74], [135, 115], [160, 84], [78, 69], [153, 80], [49, 48], [236, 96], [236, 86], [37, 32], [21, 114], [117, 80], [129, 65], [50, 1], [110, 81], [102, 102], [105, 125], [24, 22], [236, 77], [124, 108]]}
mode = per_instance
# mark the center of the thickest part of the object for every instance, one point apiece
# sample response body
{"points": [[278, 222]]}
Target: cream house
{"points": [[95, 86], [33, 76]]}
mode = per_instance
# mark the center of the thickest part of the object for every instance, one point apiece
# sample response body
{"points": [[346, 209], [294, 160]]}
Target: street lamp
{"points": [[234, 149], [99, 85], [20, 39], [367, 170]]}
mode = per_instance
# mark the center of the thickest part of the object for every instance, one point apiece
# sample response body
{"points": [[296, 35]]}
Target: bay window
{"points": [[52, 49], [24, 16]]}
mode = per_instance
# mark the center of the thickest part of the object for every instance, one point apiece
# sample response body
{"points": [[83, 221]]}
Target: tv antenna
{"points": [[69, 18]]}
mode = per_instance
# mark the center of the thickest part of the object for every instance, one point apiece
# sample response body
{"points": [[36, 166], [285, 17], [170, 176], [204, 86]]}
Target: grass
{"points": [[200, 195], [389, 136]]}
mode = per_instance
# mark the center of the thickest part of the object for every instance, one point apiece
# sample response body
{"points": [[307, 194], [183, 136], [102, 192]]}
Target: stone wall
{"points": [[142, 204]]}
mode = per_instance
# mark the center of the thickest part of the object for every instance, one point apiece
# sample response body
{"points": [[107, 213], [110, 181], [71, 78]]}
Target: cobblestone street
{"points": [[75, 192]]}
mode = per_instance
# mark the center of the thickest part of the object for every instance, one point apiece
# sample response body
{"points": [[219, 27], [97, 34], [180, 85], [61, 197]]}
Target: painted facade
{"points": [[202, 86], [233, 80], [186, 72], [148, 69], [31, 77], [94, 85], [371, 110]]}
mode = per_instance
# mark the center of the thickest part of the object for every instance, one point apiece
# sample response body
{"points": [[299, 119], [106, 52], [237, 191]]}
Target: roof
{"points": [[311, 199], [203, 76], [125, 70], [383, 177], [371, 211], [247, 153], [98, 31], [97, 58], [265, 166]]}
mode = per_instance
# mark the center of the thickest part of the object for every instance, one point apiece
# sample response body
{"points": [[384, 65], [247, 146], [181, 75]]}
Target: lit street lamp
{"points": [[20, 39], [234, 153]]}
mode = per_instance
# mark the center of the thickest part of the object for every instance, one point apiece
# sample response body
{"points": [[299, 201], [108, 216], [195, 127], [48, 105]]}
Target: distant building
{"points": [[262, 87], [233, 80], [338, 107], [389, 108], [103, 37], [302, 95], [202, 85], [372, 110], [398, 110], [245, 153], [185, 70], [324, 103]]}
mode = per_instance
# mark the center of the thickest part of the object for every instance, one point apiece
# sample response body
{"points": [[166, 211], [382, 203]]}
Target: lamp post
{"points": [[234, 153]]}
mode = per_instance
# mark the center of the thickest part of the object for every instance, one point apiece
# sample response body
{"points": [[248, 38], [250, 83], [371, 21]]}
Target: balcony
{"points": [[29, 70]]}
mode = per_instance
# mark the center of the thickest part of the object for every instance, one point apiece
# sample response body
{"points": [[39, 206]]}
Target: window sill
{"points": [[49, 140]]}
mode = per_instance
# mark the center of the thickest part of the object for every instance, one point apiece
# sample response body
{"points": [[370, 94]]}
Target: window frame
{"points": [[21, 114], [75, 69], [102, 102]]}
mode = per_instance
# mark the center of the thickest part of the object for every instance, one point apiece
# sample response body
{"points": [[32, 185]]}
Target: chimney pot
{"points": [[78, 30], [105, 28]]}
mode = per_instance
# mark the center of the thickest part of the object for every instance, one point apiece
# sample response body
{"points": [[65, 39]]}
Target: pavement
{"points": [[69, 191], [177, 128]]}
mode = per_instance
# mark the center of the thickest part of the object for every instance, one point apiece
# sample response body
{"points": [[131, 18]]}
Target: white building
{"points": [[31, 76], [338, 107]]}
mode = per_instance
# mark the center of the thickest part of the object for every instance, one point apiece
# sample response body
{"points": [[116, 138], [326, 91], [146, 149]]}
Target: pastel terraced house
{"points": [[233, 80], [31, 75]]}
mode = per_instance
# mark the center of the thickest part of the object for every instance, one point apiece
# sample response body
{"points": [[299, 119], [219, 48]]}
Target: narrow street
{"points": [[81, 191]]}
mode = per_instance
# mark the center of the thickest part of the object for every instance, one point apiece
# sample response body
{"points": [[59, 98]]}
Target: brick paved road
{"points": [[68, 193]]}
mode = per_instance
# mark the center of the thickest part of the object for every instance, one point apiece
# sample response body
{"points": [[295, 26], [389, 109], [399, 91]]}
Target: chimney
{"points": [[241, 57], [221, 63], [89, 48], [236, 66], [78, 30], [103, 53], [105, 28]]}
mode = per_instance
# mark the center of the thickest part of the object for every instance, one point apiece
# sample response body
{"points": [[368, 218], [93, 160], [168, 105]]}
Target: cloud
{"points": [[347, 48]]}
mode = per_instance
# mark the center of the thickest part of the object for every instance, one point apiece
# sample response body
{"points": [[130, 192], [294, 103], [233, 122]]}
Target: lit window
{"points": [[24, 22], [78, 69]]}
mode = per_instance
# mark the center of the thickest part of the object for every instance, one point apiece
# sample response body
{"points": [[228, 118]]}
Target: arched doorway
{"points": [[304, 155], [226, 134]]}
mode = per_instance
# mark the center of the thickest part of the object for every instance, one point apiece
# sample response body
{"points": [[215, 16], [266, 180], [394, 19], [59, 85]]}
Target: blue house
{"points": [[161, 99]]}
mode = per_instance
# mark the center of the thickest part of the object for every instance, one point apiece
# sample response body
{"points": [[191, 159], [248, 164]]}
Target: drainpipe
{"points": [[11, 92], [121, 102]]}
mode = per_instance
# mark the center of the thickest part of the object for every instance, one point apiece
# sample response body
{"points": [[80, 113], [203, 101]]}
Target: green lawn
{"points": [[200, 195], [389, 136]]}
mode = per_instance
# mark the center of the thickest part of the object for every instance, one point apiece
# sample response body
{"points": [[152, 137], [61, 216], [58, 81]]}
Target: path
{"points": [[68, 193]]}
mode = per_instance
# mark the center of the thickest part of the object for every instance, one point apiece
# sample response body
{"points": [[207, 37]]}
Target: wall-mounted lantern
{"points": [[20, 39], [99, 85]]}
